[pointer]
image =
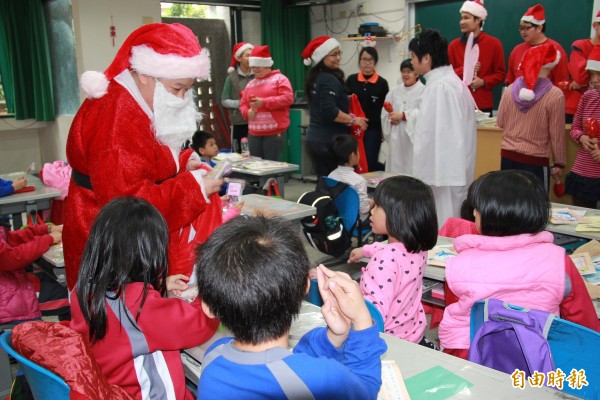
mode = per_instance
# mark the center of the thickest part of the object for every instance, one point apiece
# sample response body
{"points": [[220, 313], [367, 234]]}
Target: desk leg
{"points": [[281, 183], [17, 221]]}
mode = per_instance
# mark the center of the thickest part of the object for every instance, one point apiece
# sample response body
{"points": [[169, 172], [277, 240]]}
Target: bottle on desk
{"points": [[245, 147]]}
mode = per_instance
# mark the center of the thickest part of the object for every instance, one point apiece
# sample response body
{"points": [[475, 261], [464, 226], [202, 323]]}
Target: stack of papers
{"points": [[562, 216], [591, 224], [233, 157], [440, 254], [587, 261], [265, 164]]}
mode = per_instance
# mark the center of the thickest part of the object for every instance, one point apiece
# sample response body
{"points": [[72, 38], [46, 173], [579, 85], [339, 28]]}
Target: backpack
{"points": [[512, 339], [325, 230]]}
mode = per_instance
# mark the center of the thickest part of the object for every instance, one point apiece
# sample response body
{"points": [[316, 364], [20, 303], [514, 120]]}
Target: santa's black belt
{"points": [[81, 179]]}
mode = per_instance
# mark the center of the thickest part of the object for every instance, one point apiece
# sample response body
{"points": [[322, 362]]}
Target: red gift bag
{"points": [[356, 109]]}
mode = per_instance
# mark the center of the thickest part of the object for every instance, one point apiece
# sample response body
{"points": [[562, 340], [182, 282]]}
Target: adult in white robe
{"points": [[445, 138], [399, 135]]}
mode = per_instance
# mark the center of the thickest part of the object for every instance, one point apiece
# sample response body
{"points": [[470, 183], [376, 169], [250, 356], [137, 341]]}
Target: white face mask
{"points": [[175, 118]]}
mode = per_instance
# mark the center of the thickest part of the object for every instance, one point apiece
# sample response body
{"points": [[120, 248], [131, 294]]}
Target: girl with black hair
{"points": [[328, 102], [371, 89], [513, 260], [393, 279], [119, 305]]}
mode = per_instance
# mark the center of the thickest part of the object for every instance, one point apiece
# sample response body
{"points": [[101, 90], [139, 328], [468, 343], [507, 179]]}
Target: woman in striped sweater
{"points": [[533, 118], [583, 182]]}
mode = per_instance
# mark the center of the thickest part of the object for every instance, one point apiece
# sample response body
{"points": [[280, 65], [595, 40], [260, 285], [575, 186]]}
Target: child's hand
{"points": [[338, 325], [595, 154], [239, 205], [212, 185], [56, 236], [312, 273], [343, 301], [55, 228], [176, 284], [251, 114], [355, 255], [588, 143], [19, 183], [256, 102], [225, 198]]}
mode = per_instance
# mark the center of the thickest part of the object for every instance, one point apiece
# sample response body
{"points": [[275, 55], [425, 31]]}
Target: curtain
{"points": [[25, 60], [287, 32]]}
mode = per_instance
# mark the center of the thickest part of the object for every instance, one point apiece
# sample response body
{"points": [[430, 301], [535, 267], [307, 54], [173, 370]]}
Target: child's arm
{"points": [[379, 278], [23, 247], [577, 306]]}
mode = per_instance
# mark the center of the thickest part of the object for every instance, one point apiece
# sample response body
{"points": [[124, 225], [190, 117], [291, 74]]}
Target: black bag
{"points": [[325, 230]]}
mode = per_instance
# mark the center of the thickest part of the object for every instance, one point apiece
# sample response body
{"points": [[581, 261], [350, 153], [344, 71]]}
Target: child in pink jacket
{"points": [[514, 259], [393, 279], [266, 106]]}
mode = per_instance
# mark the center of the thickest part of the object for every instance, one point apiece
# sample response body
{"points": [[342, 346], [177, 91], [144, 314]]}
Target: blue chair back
{"points": [[572, 347], [376, 315], [43, 383], [347, 204]]}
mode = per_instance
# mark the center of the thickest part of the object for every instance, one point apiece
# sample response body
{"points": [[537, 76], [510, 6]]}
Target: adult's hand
{"points": [[212, 185], [361, 123]]}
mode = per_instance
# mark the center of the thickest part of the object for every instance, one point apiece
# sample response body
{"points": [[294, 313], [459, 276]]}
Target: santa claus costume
{"points": [[118, 147]]}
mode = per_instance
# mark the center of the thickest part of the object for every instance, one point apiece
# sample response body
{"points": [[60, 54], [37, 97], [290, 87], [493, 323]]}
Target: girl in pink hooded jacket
{"points": [[514, 259]]}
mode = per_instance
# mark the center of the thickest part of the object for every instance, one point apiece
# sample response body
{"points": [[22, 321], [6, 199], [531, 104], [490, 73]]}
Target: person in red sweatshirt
{"points": [[266, 105]]}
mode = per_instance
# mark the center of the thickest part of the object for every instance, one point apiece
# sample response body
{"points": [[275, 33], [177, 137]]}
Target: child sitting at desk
{"points": [[345, 150], [9, 187], [205, 146], [18, 249], [120, 306], [393, 279], [514, 259], [253, 276]]}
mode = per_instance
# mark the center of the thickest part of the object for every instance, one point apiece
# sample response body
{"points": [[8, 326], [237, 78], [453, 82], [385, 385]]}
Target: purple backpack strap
{"points": [[512, 338]]}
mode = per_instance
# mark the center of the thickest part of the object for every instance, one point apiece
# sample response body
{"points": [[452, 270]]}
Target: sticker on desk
{"points": [[592, 225], [440, 254], [392, 383], [583, 263], [436, 383], [566, 216]]}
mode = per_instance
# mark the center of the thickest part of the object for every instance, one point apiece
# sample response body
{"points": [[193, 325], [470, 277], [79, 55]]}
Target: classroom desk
{"points": [[413, 359], [279, 173], [273, 206], [29, 202], [52, 263], [569, 229]]}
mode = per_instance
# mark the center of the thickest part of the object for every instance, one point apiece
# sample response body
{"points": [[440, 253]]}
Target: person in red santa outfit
{"points": [[490, 70], [533, 31], [126, 138]]}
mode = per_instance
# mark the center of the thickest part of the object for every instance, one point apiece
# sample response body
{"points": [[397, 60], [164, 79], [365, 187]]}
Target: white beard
{"points": [[175, 119]]}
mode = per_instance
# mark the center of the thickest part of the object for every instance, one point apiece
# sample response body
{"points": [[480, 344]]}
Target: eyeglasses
{"points": [[336, 54], [525, 28], [367, 60]]}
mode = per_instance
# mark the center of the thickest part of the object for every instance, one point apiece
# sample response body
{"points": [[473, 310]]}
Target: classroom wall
{"points": [[340, 20]]}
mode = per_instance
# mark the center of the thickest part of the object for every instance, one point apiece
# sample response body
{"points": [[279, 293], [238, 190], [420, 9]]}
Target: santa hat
{"points": [[261, 57], [318, 48], [535, 15], [593, 62], [238, 50], [597, 17], [160, 50], [535, 58], [475, 8]]}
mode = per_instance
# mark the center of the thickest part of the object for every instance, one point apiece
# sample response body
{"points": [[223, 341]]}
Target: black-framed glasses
{"points": [[367, 60], [525, 28]]}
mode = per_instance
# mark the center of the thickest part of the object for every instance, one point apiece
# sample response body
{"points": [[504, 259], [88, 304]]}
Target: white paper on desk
{"points": [[265, 164], [392, 383], [440, 254], [566, 216]]}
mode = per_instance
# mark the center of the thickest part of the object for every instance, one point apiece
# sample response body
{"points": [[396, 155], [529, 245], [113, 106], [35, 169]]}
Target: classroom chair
{"points": [[348, 206], [43, 383], [314, 297], [572, 346]]}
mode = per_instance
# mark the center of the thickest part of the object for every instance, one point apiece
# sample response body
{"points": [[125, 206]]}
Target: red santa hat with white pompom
{"points": [[535, 15], [535, 58], [475, 8], [318, 48], [238, 50], [169, 51]]}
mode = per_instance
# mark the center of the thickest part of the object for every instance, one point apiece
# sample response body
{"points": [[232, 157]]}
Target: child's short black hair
{"points": [[433, 43], [407, 64], [343, 145], [199, 140], [409, 211], [510, 203], [252, 274]]}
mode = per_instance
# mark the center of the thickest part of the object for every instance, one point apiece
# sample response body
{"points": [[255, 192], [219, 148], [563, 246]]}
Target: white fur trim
{"points": [[170, 66], [94, 84], [593, 65], [474, 9], [531, 20], [324, 49], [307, 62], [247, 46], [199, 177], [230, 70], [596, 19], [526, 94], [261, 62]]}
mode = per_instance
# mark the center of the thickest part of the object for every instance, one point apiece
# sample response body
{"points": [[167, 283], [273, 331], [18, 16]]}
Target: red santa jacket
{"points": [[111, 142]]}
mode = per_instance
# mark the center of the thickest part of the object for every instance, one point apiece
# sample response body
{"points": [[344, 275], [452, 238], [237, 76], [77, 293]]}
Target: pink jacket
{"points": [[525, 270], [274, 116]]}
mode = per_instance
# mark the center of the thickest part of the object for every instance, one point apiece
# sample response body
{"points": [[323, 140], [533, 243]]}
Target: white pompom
{"points": [[307, 62], [94, 84], [526, 94], [230, 70]]}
